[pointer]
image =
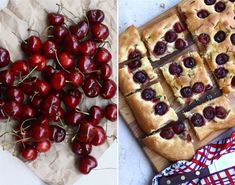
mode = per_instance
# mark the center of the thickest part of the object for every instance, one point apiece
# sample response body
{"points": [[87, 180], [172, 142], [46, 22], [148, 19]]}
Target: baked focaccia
{"points": [[187, 77], [164, 37], [151, 108], [135, 74], [173, 142], [211, 116], [130, 45]]}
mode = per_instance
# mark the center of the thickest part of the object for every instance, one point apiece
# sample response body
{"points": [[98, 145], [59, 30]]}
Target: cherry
{"points": [[167, 133], [65, 60], [43, 146], [88, 47], [20, 68], [220, 6], [96, 114], [55, 19], [95, 16], [27, 86], [57, 116], [105, 71], [15, 94], [178, 128], [197, 120], [7, 77], [4, 57], [135, 54], [220, 72], [220, 36], [134, 64], [160, 48], [170, 36], [75, 78], [36, 101], [59, 32], [86, 65], [148, 94], [175, 69], [91, 87], [73, 118], [86, 164], [232, 38], [81, 149], [189, 62], [204, 38], [186, 92], [110, 112], [49, 71], [57, 134], [81, 29], [100, 32], [100, 136], [71, 44], [13, 109], [209, 112], [50, 104], [203, 14], [57, 81], [209, 2], [140, 77], [42, 87], [178, 27], [233, 82], [28, 111], [222, 58], [208, 87], [29, 153], [37, 61], [43, 120], [198, 87], [31, 45], [49, 49], [180, 44], [161, 108], [72, 98], [102, 55], [220, 112], [86, 133], [40, 132], [108, 89]]}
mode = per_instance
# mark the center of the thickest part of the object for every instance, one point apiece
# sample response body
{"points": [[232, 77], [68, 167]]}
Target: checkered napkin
{"points": [[203, 158]]}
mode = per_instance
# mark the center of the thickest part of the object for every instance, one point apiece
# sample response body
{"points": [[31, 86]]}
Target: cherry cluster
{"points": [[44, 98]]}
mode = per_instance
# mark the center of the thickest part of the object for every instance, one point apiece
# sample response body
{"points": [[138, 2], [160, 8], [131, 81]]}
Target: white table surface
{"points": [[134, 167]]}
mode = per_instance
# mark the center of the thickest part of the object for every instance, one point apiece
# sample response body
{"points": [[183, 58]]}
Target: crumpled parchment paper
{"points": [[57, 167]]}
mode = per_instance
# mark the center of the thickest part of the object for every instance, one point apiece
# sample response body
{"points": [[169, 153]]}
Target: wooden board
{"points": [[159, 162]]}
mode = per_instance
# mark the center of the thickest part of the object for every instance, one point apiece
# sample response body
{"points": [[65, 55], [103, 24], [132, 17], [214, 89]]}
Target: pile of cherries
{"points": [[44, 99]]}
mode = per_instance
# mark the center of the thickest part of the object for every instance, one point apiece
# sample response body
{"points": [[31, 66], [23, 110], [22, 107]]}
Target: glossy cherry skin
{"points": [[31, 45], [86, 132], [57, 116], [105, 71], [29, 153], [15, 94], [7, 77], [37, 101], [57, 133], [81, 149], [100, 32], [13, 109], [75, 78], [91, 87], [110, 112], [59, 32], [38, 61], [40, 132], [96, 114], [28, 111], [4, 57], [49, 49], [71, 44], [50, 105], [72, 99], [86, 65], [49, 71], [57, 81], [80, 29], [95, 16], [100, 136], [65, 60], [55, 19], [27, 86], [103, 55], [43, 146], [108, 89], [86, 164], [20, 68], [73, 118], [88, 47], [43, 120], [42, 87]]}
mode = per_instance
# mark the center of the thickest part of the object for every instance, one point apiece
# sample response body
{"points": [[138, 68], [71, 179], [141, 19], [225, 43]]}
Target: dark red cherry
{"points": [[38, 61], [15, 94], [65, 60], [102, 55], [170, 36], [55, 19], [96, 114], [161, 108], [57, 81], [13, 109], [203, 14], [49, 71], [75, 78], [43, 120], [28, 111], [50, 104], [220, 6], [189, 62], [220, 36], [204, 38], [178, 27], [7, 77], [29, 153], [43, 146], [222, 58], [209, 2], [160, 48], [220, 112], [100, 136], [71, 44], [100, 32], [110, 112], [73, 118], [175, 69], [148, 94], [57, 134], [57, 116], [81, 149], [197, 120], [180, 44], [105, 71], [49, 49], [108, 89], [95, 16], [40, 132], [134, 64], [80, 29], [72, 98], [86, 133], [88, 47], [167, 133], [31, 45], [220, 72], [186, 92], [36, 101], [42, 87], [91, 87], [86, 164], [140, 77], [4, 57], [209, 113], [198, 87], [178, 128], [135, 54], [59, 32], [27, 86], [233, 82], [232, 38], [86, 65], [20, 68]]}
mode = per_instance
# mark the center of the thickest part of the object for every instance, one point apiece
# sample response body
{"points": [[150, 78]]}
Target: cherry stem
{"points": [[21, 126], [57, 59], [101, 45], [28, 75], [47, 28], [29, 29], [63, 8], [12, 133], [78, 110], [36, 93], [50, 36]]}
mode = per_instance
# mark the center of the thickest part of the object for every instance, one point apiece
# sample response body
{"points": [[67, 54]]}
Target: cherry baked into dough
{"points": [[151, 108], [211, 116], [187, 77]]}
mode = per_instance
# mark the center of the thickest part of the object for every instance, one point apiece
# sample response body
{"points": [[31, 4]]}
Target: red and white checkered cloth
{"points": [[203, 158]]}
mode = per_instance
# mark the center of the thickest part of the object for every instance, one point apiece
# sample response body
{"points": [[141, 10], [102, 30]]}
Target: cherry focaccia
{"points": [[151, 108], [211, 116], [164, 37], [130, 45], [134, 74], [187, 77], [173, 142]]}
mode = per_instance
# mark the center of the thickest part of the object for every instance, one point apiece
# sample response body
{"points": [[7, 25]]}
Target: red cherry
{"points": [[71, 44], [50, 105], [110, 112], [103, 56], [43, 120], [28, 111], [40, 132], [57, 81], [72, 99], [86, 164], [31, 45], [29, 153], [36, 101], [38, 61], [95, 16], [80, 30], [86, 133], [13, 110], [43, 146], [27, 86], [20, 68], [105, 71], [57, 116], [66, 60], [49, 71], [15, 94], [49, 49], [42, 87], [57, 134], [7, 77], [55, 19], [75, 78], [86, 65], [60, 32], [100, 136], [96, 114], [108, 89], [167, 133], [73, 118], [4, 57], [100, 32], [91, 87], [88, 47], [81, 149]]}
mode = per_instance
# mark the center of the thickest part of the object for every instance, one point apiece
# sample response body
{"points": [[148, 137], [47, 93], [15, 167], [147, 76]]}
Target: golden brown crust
{"points": [[217, 123], [144, 111], [188, 77], [130, 40]]}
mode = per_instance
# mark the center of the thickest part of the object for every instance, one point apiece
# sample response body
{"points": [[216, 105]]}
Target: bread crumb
{"points": [[162, 5]]}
